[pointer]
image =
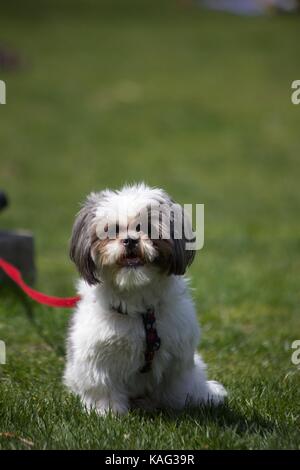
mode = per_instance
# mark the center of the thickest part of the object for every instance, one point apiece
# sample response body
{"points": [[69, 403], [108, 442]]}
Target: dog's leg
{"points": [[189, 387], [103, 402], [95, 395]]}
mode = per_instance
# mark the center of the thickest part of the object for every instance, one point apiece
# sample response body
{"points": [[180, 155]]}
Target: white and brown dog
{"points": [[134, 334]]}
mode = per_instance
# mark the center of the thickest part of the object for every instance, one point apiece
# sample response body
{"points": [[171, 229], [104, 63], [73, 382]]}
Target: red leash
{"points": [[44, 299]]}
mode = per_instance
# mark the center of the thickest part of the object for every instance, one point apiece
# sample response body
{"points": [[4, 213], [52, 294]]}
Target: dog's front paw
{"points": [[105, 406]]}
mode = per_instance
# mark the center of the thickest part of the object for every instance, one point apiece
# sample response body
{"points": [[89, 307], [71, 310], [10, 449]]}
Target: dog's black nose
{"points": [[130, 242]]}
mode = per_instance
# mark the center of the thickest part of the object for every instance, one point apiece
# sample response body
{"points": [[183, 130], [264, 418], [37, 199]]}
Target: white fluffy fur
{"points": [[105, 349]]}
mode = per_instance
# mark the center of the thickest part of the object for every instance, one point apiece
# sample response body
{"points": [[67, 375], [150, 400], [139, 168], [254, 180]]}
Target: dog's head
{"points": [[130, 236]]}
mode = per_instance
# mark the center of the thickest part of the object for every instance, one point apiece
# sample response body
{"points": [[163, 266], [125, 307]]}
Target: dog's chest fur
{"points": [[115, 341]]}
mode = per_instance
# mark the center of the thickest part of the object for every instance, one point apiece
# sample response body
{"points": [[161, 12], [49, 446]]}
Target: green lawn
{"points": [[198, 103]]}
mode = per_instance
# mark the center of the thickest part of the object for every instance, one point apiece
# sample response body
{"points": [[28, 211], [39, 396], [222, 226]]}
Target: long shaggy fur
{"points": [[106, 341]]}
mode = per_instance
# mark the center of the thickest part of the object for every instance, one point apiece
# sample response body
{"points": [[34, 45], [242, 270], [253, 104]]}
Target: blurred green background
{"points": [[199, 103]]}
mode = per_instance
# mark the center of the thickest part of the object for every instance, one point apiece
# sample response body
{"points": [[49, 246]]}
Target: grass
{"points": [[197, 103]]}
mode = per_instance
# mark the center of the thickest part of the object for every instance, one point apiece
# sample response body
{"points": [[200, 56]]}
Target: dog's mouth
{"points": [[131, 261]]}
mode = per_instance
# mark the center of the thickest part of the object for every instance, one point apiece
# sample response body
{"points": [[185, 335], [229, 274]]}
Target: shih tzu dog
{"points": [[133, 336]]}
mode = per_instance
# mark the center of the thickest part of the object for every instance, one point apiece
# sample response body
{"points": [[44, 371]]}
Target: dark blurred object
{"points": [[17, 248], [3, 201], [9, 60], [252, 7]]}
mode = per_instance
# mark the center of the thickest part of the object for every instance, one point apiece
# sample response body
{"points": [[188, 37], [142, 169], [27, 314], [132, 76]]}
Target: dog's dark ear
{"points": [[83, 236], [181, 257]]}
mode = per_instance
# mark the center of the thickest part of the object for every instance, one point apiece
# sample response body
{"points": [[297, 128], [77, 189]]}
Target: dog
{"points": [[133, 336]]}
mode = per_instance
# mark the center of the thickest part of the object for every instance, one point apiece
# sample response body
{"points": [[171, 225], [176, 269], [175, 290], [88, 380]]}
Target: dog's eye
{"points": [[138, 227]]}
